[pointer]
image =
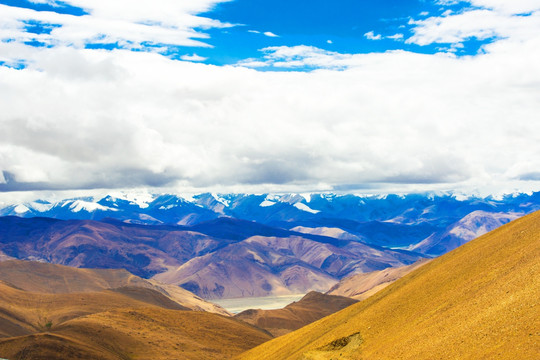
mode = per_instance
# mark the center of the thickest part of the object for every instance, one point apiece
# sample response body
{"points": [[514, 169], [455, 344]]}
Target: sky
{"points": [[257, 96]]}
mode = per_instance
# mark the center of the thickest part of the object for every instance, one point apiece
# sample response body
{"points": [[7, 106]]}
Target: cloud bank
{"points": [[80, 118]]}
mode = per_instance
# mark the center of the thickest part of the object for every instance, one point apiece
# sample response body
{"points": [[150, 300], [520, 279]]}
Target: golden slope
{"points": [[150, 333], [480, 301]]}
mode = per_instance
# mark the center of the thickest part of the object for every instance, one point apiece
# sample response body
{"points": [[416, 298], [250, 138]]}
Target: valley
{"points": [[269, 180], [111, 289]]}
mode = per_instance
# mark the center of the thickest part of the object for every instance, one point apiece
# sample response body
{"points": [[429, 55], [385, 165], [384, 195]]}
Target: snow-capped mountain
{"points": [[392, 221]]}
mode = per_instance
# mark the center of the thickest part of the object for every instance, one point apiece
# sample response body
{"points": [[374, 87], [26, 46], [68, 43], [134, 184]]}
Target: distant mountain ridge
{"points": [[390, 221], [362, 286], [222, 258], [234, 245]]}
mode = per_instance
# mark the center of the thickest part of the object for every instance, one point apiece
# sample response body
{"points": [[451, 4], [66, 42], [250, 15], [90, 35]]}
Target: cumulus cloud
{"points": [[76, 118], [508, 7], [193, 57], [372, 36], [161, 22], [487, 19], [300, 56]]}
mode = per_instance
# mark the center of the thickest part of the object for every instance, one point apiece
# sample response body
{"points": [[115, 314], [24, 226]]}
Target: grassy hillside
{"points": [[480, 301]]}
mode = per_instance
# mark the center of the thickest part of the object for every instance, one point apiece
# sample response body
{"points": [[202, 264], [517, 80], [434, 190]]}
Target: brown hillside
{"points": [[150, 333], [33, 310], [124, 323], [310, 308], [480, 301], [108, 314], [58, 279], [362, 286], [55, 279]]}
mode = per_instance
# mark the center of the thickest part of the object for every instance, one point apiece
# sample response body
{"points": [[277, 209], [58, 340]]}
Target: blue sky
{"points": [[343, 26], [339, 26], [270, 96]]}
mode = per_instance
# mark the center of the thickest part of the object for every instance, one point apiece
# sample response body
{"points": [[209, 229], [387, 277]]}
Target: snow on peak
{"points": [[306, 196], [271, 197], [304, 207], [291, 198], [40, 205], [167, 207], [78, 205], [139, 198], [220, 199], [267, 203], [21, 209], [190, 198]]}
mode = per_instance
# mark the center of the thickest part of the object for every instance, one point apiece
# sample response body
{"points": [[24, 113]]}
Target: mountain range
{"points": [[226, 246], [425, 223], [222, 258], [479, 301]]}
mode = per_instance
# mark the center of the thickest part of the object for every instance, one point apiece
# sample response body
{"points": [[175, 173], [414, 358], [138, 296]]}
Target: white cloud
{"points": [[299, 57], [449, 2], [371, 36], [266, 33], [395, 117], [490, 19], [270, 34], [77, 118], [159, 22], [509, 7], [395, 37], [193, 57]]}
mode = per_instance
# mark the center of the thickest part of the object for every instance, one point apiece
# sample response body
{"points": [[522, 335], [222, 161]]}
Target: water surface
{"points": [[237, 305]]}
